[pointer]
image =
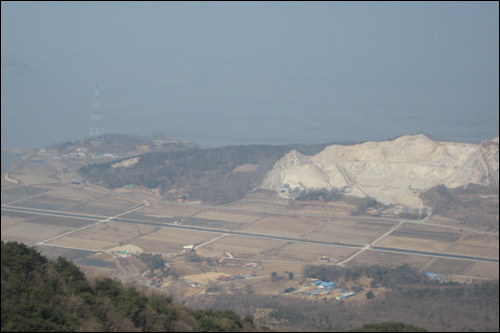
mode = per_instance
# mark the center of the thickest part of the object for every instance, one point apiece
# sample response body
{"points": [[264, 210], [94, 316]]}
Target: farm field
{"points": [[226, 217], [309, 253], [31, 233], [166, 240], [368, 258], [12, 194], [171, 210], [449, 266], [349, 231], [31, 174], [102, 236], [284, 226], [484, 270], [243, 247], [104, 207], [10, 218], [427, 238]]}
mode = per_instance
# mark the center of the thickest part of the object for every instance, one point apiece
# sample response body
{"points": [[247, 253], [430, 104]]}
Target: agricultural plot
{"points": [[449, 266], [31, 233], [484, 270], [103, 236], [139, 215], [351, 232], [35, 174], [75, 223], [171, 210], [53, 252], [165, 240], [421, 238], [226, 217], [368, 258], [103, 207], [20, 192], [476, 245], [211, 223], [310, 253], [45, 202], [97, 263], [10, 218], [284, 226], [74, 194], [243, 247]]}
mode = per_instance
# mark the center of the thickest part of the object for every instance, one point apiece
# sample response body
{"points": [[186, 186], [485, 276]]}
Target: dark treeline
{"points": [[408, 297], [464, 204], [43, 295]]}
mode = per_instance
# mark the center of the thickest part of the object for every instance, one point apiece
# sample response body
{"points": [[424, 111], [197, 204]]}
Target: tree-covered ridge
{"points": [[43, 295]]}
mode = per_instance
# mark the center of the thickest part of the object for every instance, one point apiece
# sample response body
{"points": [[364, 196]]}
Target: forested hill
{"points": [[210, 175], [43, 295]]}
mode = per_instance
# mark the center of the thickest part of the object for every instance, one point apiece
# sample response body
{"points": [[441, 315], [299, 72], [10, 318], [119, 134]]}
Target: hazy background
{"points": [[231, 73]]}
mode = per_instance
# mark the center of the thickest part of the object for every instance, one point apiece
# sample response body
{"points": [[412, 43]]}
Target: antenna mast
{"points": [[96, 128]]}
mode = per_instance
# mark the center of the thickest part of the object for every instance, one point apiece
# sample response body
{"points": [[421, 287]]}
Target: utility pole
{"points": [[96, 128]]}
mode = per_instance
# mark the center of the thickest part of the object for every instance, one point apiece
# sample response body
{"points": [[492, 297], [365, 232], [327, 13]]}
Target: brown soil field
{"points": [[171, 210], [74, 194], [21, 192], [104, 235], [243, 247], [35, 174], [37, 204], [483, 269], [105, 207], [205, 278], [310, 253], [33, 232], [449, 266], [62, 221], [53, 252], [211, 215], [349, 232], [88, 244], [368, 258], [139, 215], [416, 244], [211, 223], [422, 238], [165, 240], [284, 226], [480, 245], [10, 218]]}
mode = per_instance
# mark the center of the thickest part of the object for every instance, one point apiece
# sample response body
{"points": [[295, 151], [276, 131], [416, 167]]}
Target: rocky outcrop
{"points": [[391, 171]]}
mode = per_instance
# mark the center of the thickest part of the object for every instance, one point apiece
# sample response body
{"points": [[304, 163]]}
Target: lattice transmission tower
{"points": [[96, 128]]}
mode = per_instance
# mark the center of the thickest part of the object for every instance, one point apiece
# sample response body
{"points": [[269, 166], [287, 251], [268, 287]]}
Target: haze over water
{"points": [[242, 73]]}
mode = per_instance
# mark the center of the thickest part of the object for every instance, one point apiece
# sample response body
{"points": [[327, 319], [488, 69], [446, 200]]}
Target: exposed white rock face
{"points": [[390, 171]]}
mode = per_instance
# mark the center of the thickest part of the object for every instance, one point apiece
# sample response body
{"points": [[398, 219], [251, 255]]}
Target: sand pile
{"points": [[391, 171]]}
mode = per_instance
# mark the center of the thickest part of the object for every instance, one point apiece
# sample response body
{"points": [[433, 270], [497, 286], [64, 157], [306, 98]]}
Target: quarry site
{"points": [[238, 246]]}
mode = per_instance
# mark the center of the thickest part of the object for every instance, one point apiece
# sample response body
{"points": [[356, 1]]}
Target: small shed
{"points": [[348, 294], [315, 283], [432, 275], [223, 278]]}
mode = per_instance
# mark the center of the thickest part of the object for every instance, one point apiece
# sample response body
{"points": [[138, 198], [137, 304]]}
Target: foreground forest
{"points": [[43, 295]]}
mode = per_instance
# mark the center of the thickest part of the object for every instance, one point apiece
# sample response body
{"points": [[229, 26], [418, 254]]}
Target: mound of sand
{"points": [[391, 171]]}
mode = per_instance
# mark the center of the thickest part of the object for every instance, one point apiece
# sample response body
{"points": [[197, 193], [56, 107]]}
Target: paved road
{"points": [[246, 234]]}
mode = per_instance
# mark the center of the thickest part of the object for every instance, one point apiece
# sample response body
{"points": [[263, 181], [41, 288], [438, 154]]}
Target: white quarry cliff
{"points": [[391, 171]]}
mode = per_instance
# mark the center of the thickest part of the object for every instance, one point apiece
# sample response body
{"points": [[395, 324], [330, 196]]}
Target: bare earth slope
{"points": [[391, 171]]}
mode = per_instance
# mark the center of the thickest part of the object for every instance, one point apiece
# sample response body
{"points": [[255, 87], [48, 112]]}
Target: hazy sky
{"points": [[230, 73]]}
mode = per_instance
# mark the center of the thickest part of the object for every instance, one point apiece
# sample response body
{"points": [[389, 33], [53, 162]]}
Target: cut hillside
{"points": [[391, 171]]}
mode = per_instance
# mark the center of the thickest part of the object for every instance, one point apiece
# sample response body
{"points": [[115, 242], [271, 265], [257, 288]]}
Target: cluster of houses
{"points": [[325, 288]]}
